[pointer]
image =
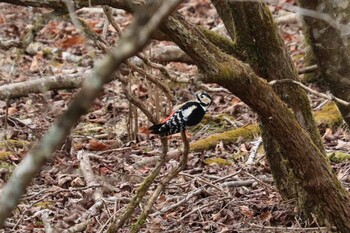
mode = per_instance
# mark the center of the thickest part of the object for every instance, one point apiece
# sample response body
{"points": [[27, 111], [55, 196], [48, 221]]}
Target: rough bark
{"points": [[132, 41], [330, 51], [342, 13], [311, 168], [254, 26], [14, 90]]}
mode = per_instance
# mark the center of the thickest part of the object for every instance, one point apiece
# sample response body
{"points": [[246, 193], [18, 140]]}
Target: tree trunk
{"points": [[254, 26], [310, 167], [330, 52]]}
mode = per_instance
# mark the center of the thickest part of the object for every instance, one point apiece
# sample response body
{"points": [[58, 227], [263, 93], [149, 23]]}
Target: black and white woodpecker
{"points": [[189, 114]]}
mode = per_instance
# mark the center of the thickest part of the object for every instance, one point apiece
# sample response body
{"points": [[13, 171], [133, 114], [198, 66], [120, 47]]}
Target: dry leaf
{"points": [[12, 110], [63, 179], [78, 182], [328, 134], [71, 41], [235, 101], [216, 217], [34, 66], [155, 225], [266, 216], [96, 145], [104, 170], [246, 211], [144, 130], [342, 145]]}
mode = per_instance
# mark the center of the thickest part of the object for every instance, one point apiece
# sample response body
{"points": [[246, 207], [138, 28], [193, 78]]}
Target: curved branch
{"points": [[163, 183], [133, 40], [140, 192], [41, 85]]}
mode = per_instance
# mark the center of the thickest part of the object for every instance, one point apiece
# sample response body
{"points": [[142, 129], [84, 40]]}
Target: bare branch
{"points": [[343, 28], [141, 191], [46, 221], [329, 97], [308, 69], [146, 22], [163, 183], [85, 167], [42, 85]]}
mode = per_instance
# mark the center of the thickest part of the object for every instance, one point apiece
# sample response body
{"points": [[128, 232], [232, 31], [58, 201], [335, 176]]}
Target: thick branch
{"points": [[41, 85], [331, 54], [310, 166], [133, 40]]}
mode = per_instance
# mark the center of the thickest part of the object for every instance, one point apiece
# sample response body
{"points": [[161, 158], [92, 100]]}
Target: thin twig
{"points": [[329, 97], [86, 169], [163, 183], [140, 192], [308, 69], [199, 208], [204, 181], [61, 190], [46, 221], [260, 181], [145, 23], [192, 194], [286, 229]]}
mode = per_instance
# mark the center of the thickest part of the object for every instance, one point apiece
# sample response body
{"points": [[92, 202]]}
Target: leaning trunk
{"points": [[254, 26], [311, 169], [329, 50]]}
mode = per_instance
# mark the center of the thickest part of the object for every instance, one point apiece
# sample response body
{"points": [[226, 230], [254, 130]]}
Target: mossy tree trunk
{"points": [[253, 29], [329, 50], [311, 169]]}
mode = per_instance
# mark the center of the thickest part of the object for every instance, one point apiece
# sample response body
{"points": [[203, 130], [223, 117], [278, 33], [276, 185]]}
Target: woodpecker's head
{"points": [[204, 99]]}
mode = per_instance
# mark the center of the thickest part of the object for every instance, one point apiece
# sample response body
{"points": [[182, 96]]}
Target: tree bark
{"points": [[312, 170], [330, 52], [310, 167], [254, 26]]}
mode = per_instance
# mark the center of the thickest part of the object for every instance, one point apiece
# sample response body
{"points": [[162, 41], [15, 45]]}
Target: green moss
{"points": [[219, 161], [14, 143], [88, 129], [215, 124], [329, 116], [338, 156], [44, 204], [225, 73], [239, 156], [38, 224], [8, 166], [224, 43], [47, 51], [4, 154], [231, 136]]}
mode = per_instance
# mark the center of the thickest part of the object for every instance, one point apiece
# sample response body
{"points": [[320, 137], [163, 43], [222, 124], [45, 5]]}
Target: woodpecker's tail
{"points": [[159, 129], [155, 129]]}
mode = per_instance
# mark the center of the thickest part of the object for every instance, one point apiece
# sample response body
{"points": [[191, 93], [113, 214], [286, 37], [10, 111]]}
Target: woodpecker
{"points": [[189, 114]]}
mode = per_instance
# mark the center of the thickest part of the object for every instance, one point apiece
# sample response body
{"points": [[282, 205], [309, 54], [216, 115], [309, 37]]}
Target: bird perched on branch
{"points": [[189, 114]]}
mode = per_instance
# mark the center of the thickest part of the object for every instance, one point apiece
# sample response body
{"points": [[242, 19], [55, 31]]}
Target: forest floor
{"points": [[216, 192]]}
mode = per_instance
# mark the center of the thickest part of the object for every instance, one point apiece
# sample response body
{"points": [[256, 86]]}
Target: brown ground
{"points": [[250, 205]]}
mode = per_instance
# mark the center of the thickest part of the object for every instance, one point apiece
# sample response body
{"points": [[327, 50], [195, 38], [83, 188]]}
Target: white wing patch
{"points": [[187, 112]]}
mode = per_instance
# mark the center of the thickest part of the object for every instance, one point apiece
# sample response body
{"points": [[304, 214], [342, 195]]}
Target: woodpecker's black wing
{"points": [[191, 113]]}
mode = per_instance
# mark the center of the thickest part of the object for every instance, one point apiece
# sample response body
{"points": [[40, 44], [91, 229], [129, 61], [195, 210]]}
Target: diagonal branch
{"points": [[146, 22], [174, 172], [141, 191]]}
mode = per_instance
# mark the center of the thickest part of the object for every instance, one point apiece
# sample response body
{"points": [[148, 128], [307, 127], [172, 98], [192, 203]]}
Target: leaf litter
{"points": [[226, 196]]}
